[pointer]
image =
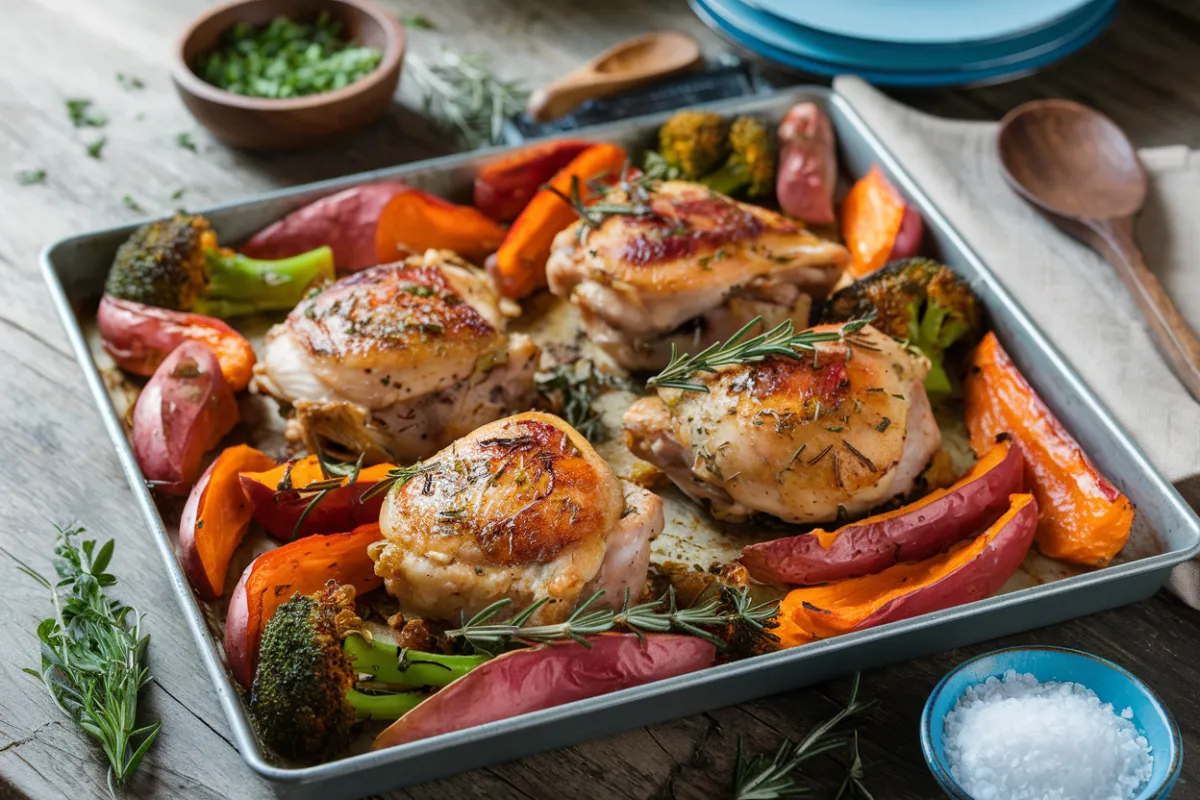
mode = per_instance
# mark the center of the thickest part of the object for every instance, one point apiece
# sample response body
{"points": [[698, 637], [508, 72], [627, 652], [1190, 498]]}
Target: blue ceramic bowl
{"points": [[1111, 683]]}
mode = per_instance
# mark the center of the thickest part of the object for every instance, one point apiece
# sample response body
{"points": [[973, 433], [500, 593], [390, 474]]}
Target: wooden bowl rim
{"points": [[393, 54]]}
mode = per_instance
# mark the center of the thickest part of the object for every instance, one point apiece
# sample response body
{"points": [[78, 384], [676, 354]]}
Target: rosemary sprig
{"points": [[572, 389], [734, 609], [93, 654], [782, 340], [398, 477], [336, 475], [766, 777], [462, 94]]}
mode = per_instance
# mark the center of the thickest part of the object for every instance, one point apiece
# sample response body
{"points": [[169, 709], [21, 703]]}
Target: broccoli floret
{"points": [[176, 264], [693, 142], [919, 301], [304, 698], [751, 165]]}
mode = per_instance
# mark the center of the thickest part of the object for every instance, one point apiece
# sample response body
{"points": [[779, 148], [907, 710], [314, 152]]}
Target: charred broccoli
{"points": [[306, 693], [919, 301], [751, 164], [176, 264], [693, 142]]}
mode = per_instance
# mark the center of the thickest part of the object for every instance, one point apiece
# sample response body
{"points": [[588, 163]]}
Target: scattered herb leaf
{"points": [[95, 149], [29, 177], [83, 115], [132, 204], [419, 21], [184, 140], [131, 82]]}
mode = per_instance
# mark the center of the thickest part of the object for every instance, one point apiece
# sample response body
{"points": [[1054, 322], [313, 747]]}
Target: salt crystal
{"points": [[1018, 739]]}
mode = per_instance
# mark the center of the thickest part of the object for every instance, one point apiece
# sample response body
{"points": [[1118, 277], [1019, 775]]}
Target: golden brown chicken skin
{"points": [[807, 439], [522, 508], [690, 267]]}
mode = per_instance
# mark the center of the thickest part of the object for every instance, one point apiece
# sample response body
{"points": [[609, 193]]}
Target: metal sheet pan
{"points": [[1169, 531]]}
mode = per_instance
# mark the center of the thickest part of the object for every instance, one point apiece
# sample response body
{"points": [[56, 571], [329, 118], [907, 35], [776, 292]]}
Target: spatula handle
{"points": [[1175, 337]]}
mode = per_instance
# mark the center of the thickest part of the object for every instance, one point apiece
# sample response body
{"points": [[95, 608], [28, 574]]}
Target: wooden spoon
{"points": [[1077, 167], [620, 67]]}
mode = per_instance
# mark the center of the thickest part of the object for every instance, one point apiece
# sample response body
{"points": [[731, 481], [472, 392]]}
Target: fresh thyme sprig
{"points": [[735, 608], [463, 95], [93, 654], [782, 340], [766, 777], [572, 388], [398, 477]]}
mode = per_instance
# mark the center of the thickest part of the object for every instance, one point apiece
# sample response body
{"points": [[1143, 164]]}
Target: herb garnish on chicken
{"points": [[307, 694], [176, 264], [919, 301]]}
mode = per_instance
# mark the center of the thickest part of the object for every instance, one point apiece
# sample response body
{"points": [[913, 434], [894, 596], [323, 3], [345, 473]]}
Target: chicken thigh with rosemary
{"points": [[522, 508], [397, 361], [832, 429], [660, 263]]}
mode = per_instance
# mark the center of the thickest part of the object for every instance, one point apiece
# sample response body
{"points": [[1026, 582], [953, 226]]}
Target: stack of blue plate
{"points": [[910, 42]]}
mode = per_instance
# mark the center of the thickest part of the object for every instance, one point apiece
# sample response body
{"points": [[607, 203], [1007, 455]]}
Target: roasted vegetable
{"points": [[504, 187], [413, 222], [807, 165], [878, 224], [969, 571], [916, 531], [530, 679], [176, 264], [215, 519], [750, 168], [1082, 517], [694, 142], [301, 566], [919, 301], [182, 413], [304, 698]]}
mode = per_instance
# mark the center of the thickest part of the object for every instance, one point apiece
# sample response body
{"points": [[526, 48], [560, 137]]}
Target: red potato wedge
{"points": [[139, 337], [216, 517], [912, 533], [278, 499], [271, 579], [522, 681], [969, 571], [345, 221], [183, 412], [807, 171]]}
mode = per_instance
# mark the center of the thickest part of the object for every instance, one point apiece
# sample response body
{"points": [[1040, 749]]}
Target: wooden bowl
{"points": [[260, 123]]}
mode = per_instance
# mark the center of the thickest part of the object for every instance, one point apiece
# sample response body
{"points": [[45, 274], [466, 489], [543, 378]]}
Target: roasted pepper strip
{"points": [[1083, 518], [504, 187], [413, 222], [280, 499], [519, 267], [872, 214]]}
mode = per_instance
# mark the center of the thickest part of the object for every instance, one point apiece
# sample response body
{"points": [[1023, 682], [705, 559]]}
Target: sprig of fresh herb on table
{"points": [[572, 388], [782, 340], [766, 777], [29, 177], [717, 621], [94, 652], [82, 114], [463, 95]]}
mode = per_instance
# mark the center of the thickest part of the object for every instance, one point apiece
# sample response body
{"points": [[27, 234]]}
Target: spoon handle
{"points": [[1175, 337]]}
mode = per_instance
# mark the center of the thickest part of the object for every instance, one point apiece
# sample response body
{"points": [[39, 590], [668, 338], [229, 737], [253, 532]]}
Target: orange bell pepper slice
{"points": [[519, 267], [1082, 517], [872, 214], [413, 222]]}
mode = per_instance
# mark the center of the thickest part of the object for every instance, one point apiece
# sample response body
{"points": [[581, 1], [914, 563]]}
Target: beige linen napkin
{"points": [[1072, 294]]}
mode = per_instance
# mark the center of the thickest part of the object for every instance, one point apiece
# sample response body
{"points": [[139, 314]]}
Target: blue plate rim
{"points": [[886, 78], [941, 771]]}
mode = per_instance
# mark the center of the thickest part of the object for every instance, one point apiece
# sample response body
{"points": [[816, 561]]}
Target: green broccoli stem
{"points": [[239, 285], [729, 179], [383, 706], [381, 661]]}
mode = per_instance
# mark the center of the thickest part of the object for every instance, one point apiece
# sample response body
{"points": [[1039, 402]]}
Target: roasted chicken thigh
{"points": [[522, 508], [830, 433], [398, 361], [686, 265]]}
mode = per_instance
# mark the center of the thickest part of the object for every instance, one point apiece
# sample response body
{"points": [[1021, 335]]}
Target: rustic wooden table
{"points": [[57, 464]]}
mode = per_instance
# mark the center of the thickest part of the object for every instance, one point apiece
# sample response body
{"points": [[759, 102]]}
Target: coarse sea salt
{"points": [[1017, 739]]}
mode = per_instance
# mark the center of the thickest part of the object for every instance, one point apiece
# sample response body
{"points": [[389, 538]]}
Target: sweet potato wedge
{"points": [[878, 224], [911, 533], [278, 497], [534, 678], [215, 519], [271, 579], [345, 221], [504, 187], [1083, 518], [181, 414], [969, 571], [413, 222]]}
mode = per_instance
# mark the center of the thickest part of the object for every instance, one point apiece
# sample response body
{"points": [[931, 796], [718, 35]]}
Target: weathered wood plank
{"points": [[57, 463]]}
